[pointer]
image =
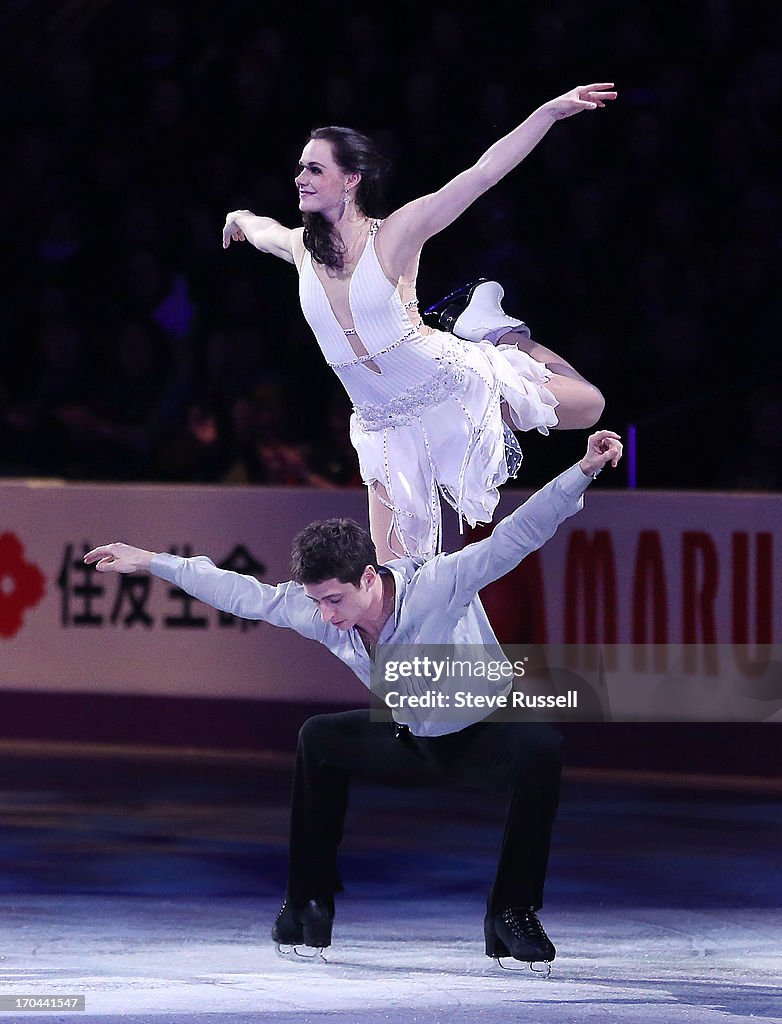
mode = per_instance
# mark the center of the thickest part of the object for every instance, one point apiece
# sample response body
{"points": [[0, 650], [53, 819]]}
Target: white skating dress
{"points": [[426, 419]]}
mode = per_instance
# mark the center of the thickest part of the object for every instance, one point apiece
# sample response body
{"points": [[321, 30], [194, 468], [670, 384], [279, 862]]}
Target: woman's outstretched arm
{"points": [[265, 233], [410, 226]]}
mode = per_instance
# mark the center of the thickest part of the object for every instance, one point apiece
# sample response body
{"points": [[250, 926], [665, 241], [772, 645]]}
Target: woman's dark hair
{"points": [[354, 153], [332, 549]]}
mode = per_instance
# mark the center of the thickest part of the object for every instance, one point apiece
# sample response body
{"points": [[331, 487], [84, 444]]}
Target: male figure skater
{"points": [[341, 597]]}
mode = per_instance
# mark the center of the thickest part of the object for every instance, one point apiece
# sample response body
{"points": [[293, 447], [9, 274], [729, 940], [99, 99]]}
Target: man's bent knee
{"points": [[315, 729]]}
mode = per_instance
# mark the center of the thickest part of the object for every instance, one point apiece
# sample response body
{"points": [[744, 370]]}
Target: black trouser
{"points": [[519, 759]]}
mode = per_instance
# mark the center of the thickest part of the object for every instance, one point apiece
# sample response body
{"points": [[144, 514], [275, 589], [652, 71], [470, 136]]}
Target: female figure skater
{"points": [[434, 412]]}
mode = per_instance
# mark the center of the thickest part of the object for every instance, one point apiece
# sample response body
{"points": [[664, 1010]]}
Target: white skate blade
{"points": [[522, 965], [293, 955]]}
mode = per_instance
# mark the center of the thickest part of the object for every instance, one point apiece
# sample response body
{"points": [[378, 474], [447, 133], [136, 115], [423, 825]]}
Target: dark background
{"points": [[641, 241]]}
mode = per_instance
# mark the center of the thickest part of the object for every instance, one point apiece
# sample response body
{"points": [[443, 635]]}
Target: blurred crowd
{"points": [[642, 242]]}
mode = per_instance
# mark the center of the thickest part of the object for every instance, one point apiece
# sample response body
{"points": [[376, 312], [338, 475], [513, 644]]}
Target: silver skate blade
{"points": [[544, 972], [292, 953]]}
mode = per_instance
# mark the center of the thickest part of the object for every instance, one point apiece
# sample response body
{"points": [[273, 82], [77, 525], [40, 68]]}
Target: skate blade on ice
{"points": [[293, 953], [520, 965]]}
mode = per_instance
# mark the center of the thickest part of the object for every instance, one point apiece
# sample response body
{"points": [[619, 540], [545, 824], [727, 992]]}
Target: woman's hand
{"points": [[583, 97], [232, 232], [265, 233]]}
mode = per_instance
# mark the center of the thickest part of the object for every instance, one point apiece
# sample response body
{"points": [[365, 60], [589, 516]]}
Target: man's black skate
{"points": [[307, 925], [518, 933]]}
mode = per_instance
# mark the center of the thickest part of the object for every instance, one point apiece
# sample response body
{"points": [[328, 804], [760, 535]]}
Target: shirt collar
{"points": [[400, 585]]}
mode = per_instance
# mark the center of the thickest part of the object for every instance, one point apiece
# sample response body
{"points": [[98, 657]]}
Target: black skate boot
{"points": [[307, 925], [518, 933]]}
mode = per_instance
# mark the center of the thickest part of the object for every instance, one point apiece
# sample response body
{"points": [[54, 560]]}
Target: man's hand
{"points": [[119, 557], [583, 97], [603, 446]]}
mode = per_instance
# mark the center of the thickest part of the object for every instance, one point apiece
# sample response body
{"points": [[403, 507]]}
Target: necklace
{"points": [[349, 248]]}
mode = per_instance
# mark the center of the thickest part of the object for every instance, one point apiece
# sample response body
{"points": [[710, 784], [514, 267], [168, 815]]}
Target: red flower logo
{"points": [[22, 584]]}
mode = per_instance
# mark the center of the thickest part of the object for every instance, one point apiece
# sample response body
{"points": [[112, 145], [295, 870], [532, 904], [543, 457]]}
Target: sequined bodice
{"points": [[402, 370]]}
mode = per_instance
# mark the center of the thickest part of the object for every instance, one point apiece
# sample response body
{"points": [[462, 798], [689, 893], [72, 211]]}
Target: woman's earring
{"points": [[346, 200]]}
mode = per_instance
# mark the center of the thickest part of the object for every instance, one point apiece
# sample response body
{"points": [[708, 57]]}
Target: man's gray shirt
{"points": [[436, 602]]}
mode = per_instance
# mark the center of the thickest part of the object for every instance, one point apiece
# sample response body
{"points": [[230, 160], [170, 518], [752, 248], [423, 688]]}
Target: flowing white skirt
{"points": [[455, 447]]}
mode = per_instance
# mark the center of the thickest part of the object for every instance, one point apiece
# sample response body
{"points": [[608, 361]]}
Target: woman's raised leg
{"points": [[581, 404]]}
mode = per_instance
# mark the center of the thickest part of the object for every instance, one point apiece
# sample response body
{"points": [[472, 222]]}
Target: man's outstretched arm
{"points": [[529, 526], [281, 605]]}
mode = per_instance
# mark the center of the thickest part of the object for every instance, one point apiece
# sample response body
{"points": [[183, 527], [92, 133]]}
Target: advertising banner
{"points": [[668, 593]]}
